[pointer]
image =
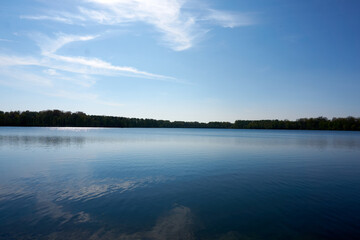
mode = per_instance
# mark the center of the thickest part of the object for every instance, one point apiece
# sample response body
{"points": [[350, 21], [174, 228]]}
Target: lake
{"points": [[93, 183]]}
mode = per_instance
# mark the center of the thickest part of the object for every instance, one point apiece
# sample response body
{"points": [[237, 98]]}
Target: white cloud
{"points": [[83, 80], [60, 72], [5, 40], [51, 72], [52, 86], [166, 16], [53, 18], [51, 45], [63, 17], [180, 25], [80, 65], [229, 19], [95, 63], [73, 64], [16, 60], [22, 78]]}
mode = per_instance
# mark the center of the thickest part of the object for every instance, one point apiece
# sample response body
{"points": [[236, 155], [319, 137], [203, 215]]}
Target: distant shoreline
{"points": [[57, 118]]}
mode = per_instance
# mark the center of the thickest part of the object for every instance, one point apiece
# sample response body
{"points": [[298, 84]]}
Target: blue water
{"points": [[88, 183]]}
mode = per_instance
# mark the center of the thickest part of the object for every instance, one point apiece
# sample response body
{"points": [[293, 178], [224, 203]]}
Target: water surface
{"points": [[93, 183]]}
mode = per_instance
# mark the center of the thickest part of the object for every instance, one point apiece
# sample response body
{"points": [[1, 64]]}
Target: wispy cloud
{"points": [[64, 17], [17, 71], [75, 64], [51, 84], [180, 25], [5, 40], [80, 65], [6, 60], [229, 19], [51, 72], [51, 45], [22, 77], [177, 27], [95, 63], [89, 97], [53, 18]]}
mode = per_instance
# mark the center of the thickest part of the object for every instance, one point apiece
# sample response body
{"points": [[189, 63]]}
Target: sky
{"points": [[190, 60]]}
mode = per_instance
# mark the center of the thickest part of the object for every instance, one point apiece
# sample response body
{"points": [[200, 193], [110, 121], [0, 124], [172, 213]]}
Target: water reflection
{"points": [[78, 137], [75, 190], [225, 184], [177, 224], [30, 202], [75, 129], [45, 208], [41, 140]]}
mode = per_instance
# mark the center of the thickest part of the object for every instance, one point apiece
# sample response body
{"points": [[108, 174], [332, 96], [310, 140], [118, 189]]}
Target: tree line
{"points": [[57, 118]]}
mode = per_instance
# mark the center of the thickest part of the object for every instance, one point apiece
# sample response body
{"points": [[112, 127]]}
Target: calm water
{"points": [[76, 183]]}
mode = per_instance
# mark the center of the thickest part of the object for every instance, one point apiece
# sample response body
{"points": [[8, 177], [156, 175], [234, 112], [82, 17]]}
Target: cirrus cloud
{"points": [[179, 24]]}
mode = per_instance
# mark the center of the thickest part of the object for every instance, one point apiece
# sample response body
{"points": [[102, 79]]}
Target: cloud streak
{"points": [[74, 64], [165, 15], [19, 72], [23, 77], [5, 40], [179, 24], [229, 19], [51, 45], [52, 18]]}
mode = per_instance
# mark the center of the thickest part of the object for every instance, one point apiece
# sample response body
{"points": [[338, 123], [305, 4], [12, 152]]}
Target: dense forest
{"points": [[57, 118]]}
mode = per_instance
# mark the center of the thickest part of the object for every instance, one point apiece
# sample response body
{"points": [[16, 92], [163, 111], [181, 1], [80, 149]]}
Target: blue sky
{"points": [[182, 60]]}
